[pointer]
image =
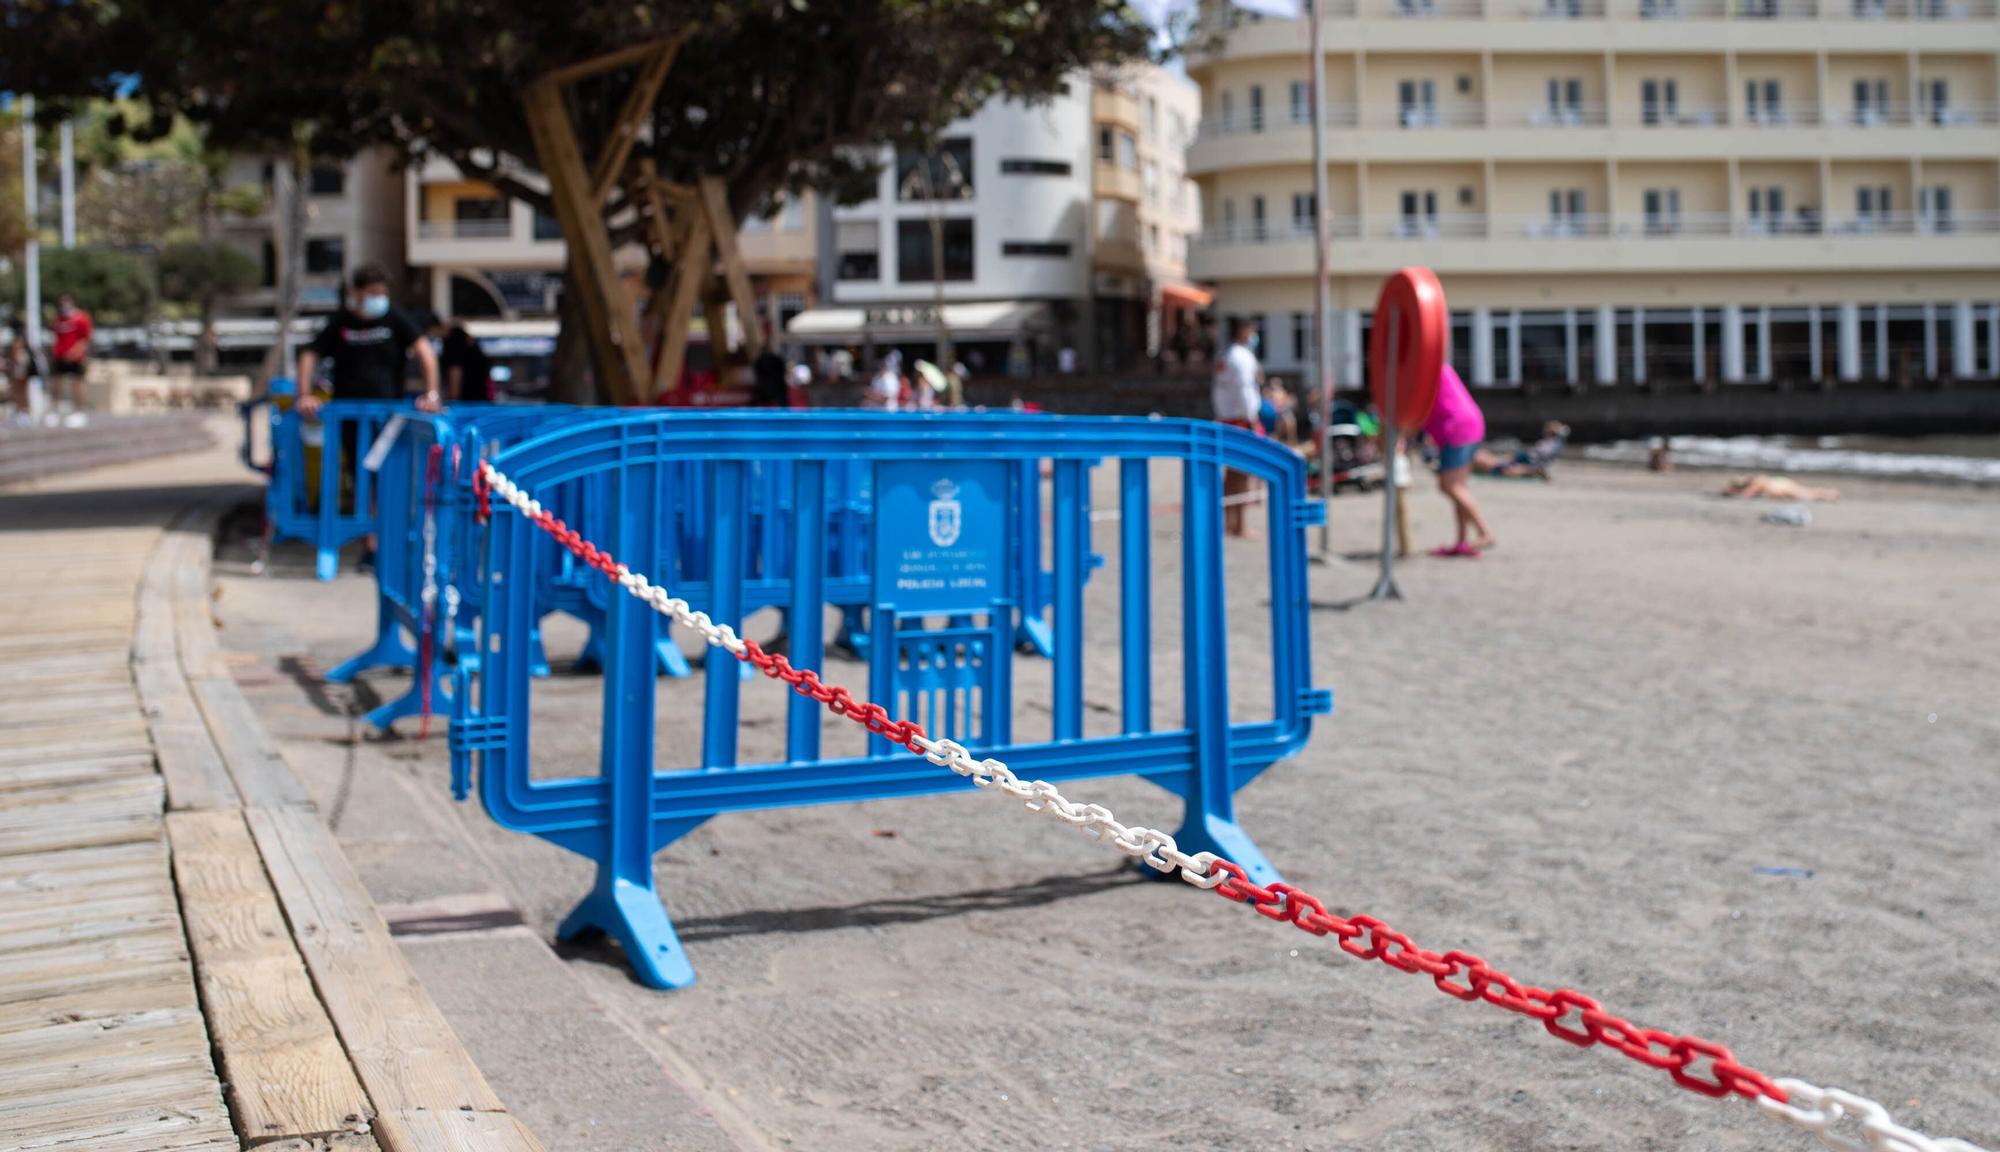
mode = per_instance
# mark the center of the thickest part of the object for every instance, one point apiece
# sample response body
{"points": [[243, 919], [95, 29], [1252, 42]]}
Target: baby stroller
{"points": [[1355, 451]]}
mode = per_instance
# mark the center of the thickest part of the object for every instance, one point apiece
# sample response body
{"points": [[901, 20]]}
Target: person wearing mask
{"points": [[1237, 398], [73, 330]]}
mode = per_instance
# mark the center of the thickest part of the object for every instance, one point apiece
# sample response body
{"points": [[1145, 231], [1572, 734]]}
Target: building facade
{"points": [[1620, 190], [1063, 229], [353, 217], [484, 255]]}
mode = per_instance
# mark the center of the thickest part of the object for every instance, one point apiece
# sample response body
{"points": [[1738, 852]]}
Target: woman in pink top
{"points": [[1456, 426]]}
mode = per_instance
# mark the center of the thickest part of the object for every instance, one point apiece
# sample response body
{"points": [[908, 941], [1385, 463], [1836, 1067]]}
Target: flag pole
{"points": [[1322, 316]]}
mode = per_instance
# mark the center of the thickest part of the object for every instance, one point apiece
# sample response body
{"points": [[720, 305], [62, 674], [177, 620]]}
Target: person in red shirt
{"points": [[72, 351]]}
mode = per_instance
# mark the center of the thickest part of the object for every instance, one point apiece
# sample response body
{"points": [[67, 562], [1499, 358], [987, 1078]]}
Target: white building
{"points": [[1047, 226]]}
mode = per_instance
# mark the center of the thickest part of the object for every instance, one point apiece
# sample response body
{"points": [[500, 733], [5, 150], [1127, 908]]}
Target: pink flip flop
{"points": [[1456, 550]]}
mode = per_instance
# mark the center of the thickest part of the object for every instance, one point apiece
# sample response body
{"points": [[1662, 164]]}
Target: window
{"points": [[327, 180], [1566, 100], [270, 279], [1937, 97], [547, 226], [1763, 100], [1302, 336], [1228, 116], [859, 244], [1034, 167], [326, 256], [1257, 217], [1767, 209], [1151, 181], [1057, 248], [1301, 102], [1934, 207], [1871, 101], [1153, 239], [913, 251], [479, 208], [1566, 211], [1229, 220], [1303, 214], [1663, 211], [945, 174], [1177, 124], [1152, 118], [792, 217], [1659, 101], [1872, 206], [1104, 145], [1128, 150], [1419, 212], [1416, 102], [1256, 107]]}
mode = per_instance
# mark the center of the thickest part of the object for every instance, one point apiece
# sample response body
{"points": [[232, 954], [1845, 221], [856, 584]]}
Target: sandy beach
{"points": [[1572, 756]]}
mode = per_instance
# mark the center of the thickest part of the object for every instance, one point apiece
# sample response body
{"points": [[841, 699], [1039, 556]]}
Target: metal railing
{"points": [[1560, 9], [1917, 224], [1790, 114], [1682, 9], [1892, 114], [1427, 9], [1586, 226], [1959, 115], [1589, 114], [1600, 226], [1293, 231], [1680, 116], [1668, 226], [465, 229], [1955, 9], [1776, 9], [1465, 114], [1445, 226]]}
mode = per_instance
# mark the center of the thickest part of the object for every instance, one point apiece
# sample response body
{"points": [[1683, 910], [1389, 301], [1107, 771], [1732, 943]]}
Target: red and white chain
{"points": [[1811, 1109]]}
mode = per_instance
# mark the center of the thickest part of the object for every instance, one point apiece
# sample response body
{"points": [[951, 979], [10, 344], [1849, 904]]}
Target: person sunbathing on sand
{"points": [[1776, 488]]}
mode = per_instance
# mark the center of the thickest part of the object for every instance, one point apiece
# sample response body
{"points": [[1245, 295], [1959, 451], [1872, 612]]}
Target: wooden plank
{"points": [[171, 1111], [631, 117], [691, 268], [285, 1072], [405, 1051], [186, 750], [337, 1142], [253, 763], [426, 1130], [79, 816], [597, 65], [722, 226], [48, 773], [146, 987], [82, 866], [44, 665], [76, 748], [126, 725], [79, 968]]}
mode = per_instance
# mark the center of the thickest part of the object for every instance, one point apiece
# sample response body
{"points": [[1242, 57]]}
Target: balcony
{"points": [[1894, 114], [1558, 10], [1112, 182], [1112, 106], [1445, 226], [1955, 9], [1682, 9], [1423, 9], [465, 229], [1794, 114], [1777, 9]]}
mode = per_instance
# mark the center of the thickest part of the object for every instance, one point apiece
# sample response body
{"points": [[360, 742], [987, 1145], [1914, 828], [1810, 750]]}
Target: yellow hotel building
{"points": [[1620, 191]]}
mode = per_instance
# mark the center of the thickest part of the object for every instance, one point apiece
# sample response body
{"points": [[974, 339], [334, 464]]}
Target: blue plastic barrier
{"points": [[943, 590], [299, 505]]}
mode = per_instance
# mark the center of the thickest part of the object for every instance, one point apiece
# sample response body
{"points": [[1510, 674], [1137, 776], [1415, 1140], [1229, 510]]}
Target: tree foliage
{"points": [[201, 272], [117, 287], [769, 95]]}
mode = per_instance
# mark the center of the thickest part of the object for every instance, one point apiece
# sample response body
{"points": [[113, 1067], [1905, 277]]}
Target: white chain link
{"points": [[1811, 1109], [1818, 1110]]}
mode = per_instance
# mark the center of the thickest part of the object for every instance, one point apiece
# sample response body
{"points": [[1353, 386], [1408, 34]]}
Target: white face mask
{"points": [[374, 307]]}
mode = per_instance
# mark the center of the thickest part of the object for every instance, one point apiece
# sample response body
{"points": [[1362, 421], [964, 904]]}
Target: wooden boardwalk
{"points": [[187, 960]]}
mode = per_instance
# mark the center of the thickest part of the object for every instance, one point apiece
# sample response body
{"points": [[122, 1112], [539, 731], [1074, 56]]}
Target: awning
{"points": [[1185, 296], [899, 323]]}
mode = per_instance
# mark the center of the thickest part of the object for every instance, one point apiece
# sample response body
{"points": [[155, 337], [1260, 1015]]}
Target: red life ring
{"points": [[1423, 332]]}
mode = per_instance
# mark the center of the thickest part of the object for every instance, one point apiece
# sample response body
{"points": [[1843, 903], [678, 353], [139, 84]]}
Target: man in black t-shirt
{"points": [[369, 341]]}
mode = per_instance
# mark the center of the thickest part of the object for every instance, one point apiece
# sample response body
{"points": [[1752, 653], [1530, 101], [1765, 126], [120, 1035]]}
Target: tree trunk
{"points": [[289, 221], [571, 380], [206, 354]]}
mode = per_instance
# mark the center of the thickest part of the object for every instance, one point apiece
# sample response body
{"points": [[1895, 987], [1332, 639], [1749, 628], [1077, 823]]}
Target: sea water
{"points": [[1959, 459]]}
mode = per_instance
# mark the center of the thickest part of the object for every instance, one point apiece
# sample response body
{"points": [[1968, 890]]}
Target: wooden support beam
{"points": [[631, 117], [691, 269], [722, 226], [615, 336], [598, 65]]}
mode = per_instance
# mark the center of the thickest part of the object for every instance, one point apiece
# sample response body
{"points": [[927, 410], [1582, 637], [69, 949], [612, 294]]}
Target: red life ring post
{"points": [[1406, 355]]}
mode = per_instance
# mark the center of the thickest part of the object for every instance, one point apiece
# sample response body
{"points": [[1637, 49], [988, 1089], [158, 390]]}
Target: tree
{"points": [[768, 95], [201, 273], [117, 287]]}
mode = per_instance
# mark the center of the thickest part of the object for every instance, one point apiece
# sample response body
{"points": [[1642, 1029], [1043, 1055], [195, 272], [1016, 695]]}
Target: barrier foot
{"points": [[1228, 840], [538, 659], [388, 651], [633, 915], [673, 661], [411, 703], [1034, 633], [328, 564]]}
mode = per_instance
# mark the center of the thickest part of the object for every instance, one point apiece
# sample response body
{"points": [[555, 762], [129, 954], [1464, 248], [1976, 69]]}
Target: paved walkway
{"points": [[187, 961]]}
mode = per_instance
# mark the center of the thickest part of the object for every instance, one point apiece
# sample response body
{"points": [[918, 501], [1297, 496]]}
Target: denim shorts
{"points": [[1452, 457]]}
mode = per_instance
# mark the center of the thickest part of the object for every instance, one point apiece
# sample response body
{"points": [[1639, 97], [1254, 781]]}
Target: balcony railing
{"points": [[1791, 114], [1454, 115], [1598, 226], [1954, 9], [1679, 116], [1682, 9], [1214, 127], [1777, 9], [1561, 9], [1960, 115], [1586, 115], [465, 229], [1424, 9], [1893, 114]]}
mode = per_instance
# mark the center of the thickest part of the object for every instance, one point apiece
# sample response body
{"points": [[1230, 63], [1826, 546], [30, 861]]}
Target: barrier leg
{"points": [[628, 908], [538, 657], [388, 651], [1209, 823]]}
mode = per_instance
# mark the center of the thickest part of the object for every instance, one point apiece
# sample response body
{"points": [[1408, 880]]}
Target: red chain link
{"points": [[1362, 937], [1367, 938], [482, 494]]}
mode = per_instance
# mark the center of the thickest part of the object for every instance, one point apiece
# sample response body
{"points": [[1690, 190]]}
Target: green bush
{"points": [[114, 287]]}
